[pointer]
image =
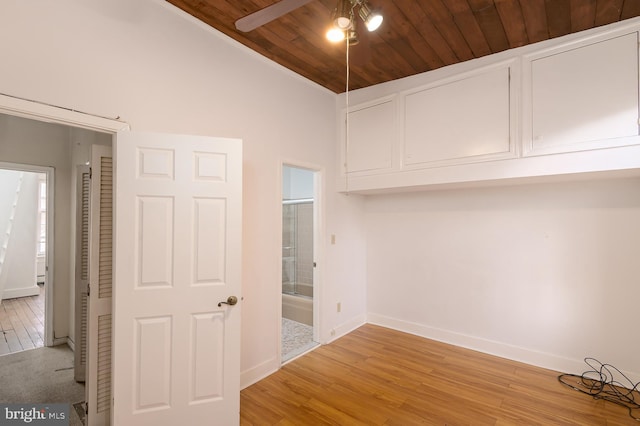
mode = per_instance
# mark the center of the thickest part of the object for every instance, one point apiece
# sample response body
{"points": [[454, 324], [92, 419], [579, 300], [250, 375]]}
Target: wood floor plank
{"points": [[12, 341], [26, 317], [4, 346], [378, 376], [22, 323], [18, 327], [4, 318], [36, 305]]}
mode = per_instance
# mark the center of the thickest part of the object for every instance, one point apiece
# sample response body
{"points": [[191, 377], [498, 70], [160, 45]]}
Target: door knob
{"points": [[231, 300]]}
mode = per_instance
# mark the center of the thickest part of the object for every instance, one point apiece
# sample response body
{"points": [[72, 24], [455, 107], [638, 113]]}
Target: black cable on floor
{"points": [[602, 382]]}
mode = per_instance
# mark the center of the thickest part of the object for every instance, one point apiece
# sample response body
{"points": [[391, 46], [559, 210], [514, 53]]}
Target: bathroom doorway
{"points": [[299, 286]]}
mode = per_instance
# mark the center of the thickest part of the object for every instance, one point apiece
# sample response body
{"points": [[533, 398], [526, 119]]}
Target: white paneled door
{"points": [[177, 262]]}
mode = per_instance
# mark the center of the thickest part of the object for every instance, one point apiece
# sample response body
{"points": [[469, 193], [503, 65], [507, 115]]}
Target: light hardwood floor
{"points": [[22, 323], [378, 376]]}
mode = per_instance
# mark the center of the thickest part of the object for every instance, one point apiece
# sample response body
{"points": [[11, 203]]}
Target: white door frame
{"points": [[318, 244], [50, 254], [51, 114]]}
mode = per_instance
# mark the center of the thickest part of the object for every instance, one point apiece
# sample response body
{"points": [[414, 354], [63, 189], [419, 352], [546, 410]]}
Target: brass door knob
{"points": [[231, 300]]}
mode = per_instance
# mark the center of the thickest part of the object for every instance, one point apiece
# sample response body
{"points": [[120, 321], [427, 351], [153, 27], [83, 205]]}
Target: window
{"points": [[42, 216]]}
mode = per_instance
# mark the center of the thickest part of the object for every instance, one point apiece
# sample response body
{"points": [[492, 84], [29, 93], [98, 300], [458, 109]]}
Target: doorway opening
{"points": [[51, 136], [25, 285], [299, 283]]}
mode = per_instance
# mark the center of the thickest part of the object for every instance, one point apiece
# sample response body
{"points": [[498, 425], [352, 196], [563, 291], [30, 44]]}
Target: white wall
{"points": [[43, 144], [162, 71], [18, 271], [546, 273], [8, 184]]}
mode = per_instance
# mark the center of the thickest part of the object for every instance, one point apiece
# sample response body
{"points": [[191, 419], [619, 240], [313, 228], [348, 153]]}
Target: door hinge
{"points": [[88, 289], [90, 172], [86, 409]]}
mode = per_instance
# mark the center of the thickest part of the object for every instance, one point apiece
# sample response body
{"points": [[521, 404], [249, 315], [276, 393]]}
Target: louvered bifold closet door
{"points": [[82, 271], [101, 283]]}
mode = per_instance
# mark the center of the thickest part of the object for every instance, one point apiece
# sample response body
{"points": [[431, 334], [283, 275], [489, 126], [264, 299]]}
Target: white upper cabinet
{"points": [[582, 97], [372, 131], [463, 120], [562, 107]]}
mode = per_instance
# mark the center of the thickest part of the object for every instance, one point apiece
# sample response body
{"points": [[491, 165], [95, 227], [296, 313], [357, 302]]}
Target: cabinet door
{"points": [[585, 97], [460, 121], [371, 128]]}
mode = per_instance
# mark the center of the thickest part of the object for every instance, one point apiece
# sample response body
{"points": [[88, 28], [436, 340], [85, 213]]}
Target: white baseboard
{"points": [[12, 293], [503, 350], [259, 372], [346, 328], [270, 366], [60, 341]]}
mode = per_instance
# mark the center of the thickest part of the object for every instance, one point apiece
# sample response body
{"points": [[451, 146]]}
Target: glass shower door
{"points": [[288, 248]]}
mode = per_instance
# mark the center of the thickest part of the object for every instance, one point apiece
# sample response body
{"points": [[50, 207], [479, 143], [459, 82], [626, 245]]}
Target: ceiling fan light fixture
{"points": [[335, 35], [342, 16], [352, 37], [372, 19]]}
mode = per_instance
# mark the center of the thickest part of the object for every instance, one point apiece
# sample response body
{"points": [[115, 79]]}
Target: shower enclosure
{"points": [[297, 247]]}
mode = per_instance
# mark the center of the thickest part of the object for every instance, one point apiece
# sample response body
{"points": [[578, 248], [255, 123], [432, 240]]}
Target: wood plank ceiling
{"points": [[416, 35]]}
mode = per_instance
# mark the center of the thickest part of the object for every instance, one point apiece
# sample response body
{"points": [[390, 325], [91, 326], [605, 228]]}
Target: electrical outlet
{"points": [[339, 307], [333, 332], [333, 238]]}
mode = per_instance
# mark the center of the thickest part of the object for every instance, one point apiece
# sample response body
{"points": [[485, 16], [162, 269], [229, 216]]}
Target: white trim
{"points": [[277, 258], [346, 327], [25, 167], [59, 341], [491, 347], [21, 292], [319, 176], [259, 372], [49, 256], [50, 253], [50, 114]]}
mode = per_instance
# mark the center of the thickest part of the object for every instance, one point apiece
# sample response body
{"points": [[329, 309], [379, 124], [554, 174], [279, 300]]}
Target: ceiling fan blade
{"points": [[268, 14]]}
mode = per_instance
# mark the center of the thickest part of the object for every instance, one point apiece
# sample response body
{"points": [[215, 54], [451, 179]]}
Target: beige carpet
{"points": [[43, 375]]}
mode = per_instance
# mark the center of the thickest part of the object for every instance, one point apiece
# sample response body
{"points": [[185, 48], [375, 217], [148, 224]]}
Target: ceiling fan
{"points": [[268, 14], [342, 17]]}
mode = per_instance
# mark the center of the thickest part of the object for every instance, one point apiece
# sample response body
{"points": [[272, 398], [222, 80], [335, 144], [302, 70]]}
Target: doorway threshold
{"points": [[303, 350]]}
